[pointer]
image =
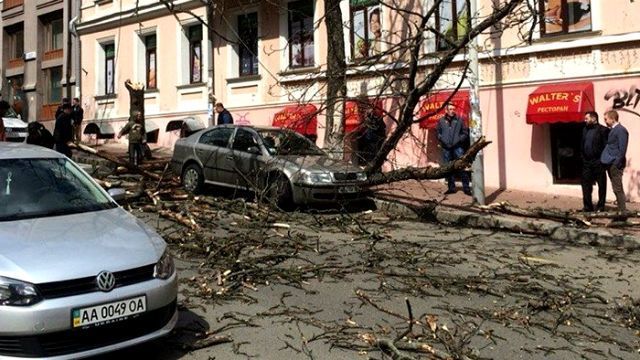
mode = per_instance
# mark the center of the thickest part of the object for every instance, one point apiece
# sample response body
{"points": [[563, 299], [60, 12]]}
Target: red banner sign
{"points": [[432, 109], [302, 119]]}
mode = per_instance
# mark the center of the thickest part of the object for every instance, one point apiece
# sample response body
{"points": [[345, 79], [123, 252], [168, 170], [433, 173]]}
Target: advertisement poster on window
{"points": [[566, 16], [110, 76], [196, 70], [151, 75], [367, 31]]}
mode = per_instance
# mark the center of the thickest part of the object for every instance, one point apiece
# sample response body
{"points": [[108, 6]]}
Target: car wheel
{"points": [[192, 179], [279, 193]]}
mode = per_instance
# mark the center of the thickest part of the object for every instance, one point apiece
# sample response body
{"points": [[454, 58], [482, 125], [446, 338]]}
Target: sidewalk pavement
{"points": [[426, 200]]}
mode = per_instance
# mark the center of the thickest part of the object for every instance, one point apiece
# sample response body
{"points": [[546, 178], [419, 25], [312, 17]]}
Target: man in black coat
{"points": [[63, 131], [594, 139], [452, 137]]}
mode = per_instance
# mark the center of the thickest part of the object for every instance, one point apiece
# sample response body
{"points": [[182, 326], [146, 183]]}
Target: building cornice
{"points": [[134, 15]]}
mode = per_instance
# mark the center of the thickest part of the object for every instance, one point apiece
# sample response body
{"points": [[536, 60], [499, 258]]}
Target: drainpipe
{"points": [[210, 83], [69, 51]]}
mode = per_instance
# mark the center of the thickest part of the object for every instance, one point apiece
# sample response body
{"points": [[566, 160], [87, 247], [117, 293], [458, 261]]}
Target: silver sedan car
{"points": [[283, 165], [79, 275]]}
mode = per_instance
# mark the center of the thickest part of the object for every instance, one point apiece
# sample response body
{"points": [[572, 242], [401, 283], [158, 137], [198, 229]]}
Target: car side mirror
{"points": [[118, 194], [254, 150]]}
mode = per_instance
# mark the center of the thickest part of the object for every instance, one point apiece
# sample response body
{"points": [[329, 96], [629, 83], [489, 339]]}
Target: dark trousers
{"points": [[615, 175], [449, 155], [135, 153], [63, 148], [593, 171]]}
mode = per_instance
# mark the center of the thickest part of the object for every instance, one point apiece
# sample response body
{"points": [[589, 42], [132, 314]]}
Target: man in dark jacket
{"points": [[136, 136], [77, 114], [224, 116], [594, 139], [452, 135], [614, 156], [63, 131], [60, 108]]}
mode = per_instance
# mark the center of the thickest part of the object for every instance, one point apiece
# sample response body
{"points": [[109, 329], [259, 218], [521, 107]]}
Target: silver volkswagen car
{"points": [[286, 166], [79, 275]]}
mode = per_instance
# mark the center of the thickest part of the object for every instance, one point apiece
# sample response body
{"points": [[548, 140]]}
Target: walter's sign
{"points": [[559, 103], [432, 108]]}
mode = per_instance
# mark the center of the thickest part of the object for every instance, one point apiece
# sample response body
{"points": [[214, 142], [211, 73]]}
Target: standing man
{"points": [[614, 157], [594, 139], [224, 116], [60, 110], [77, 114], [63, 131], [136, 135], [452, 136]]}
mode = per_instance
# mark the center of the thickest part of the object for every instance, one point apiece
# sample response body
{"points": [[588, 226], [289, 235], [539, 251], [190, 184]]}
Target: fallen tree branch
{"points": [[563, 216], [115, 160]]}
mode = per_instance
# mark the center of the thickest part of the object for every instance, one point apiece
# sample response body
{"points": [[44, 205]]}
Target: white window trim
{"points": [[182, 44], [284, 36], [345, 7], [233, 60], [100, 64], [140, 50]]}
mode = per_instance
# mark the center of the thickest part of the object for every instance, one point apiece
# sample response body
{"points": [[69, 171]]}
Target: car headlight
{"points": [[164, 267], [361, 176], [17, 293], [317, 178]]}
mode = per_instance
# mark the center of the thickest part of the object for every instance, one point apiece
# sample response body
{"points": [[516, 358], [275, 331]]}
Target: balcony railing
{"points": [[15, 63], [8, 4], [52, 54]]}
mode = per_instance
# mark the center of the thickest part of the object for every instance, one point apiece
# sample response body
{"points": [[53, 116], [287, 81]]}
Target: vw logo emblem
{"points": [[105, 281]]}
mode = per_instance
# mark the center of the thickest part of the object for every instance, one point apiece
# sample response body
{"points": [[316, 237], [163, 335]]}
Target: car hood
{"points": [[14, 123], [320, 163], [74, 246]]}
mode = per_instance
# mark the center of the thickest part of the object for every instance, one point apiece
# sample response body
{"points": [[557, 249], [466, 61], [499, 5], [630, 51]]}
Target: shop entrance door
{"points": [[566, 153]]}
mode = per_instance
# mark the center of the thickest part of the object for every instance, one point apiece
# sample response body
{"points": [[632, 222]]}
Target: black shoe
{"points": [[450, 191], [586, 210], [600, 209], [468, 192]]}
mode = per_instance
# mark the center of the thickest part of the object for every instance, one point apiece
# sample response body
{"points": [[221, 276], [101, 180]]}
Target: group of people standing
{"points": [[604, 150]]}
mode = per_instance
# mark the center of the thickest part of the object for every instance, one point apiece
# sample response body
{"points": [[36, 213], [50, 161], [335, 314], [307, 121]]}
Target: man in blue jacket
{"points": [[614, 156], [452, 136], [224, 116]]}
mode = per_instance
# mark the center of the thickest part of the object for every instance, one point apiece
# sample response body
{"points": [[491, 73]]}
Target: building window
{"points": [[565, 152], [109, 68], [195, 53], [452, 23], [54, 35], [248, 47], [565, 16], [301, 51], [16, 44], [151, 61], [366, 28], [53, 85]]}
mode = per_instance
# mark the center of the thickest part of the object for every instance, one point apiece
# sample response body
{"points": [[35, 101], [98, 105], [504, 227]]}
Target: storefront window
{"points": [[565, 152], [565, 16]]}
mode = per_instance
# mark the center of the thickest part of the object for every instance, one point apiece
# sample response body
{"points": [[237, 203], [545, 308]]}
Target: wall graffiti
{"points": [[624, 100]]}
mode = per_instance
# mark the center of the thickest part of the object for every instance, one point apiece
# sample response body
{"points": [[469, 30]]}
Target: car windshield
{"points": [[31, 188], [286, 142]]}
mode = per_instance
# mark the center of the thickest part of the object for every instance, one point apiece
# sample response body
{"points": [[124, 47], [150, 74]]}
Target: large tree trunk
{"points": [[336, 72], [136, 100]]}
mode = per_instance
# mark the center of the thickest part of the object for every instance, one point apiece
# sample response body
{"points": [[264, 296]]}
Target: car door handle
{"points": [[229, 157]]}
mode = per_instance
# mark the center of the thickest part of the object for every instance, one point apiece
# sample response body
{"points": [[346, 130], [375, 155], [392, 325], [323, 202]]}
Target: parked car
{"points": [[15, 128], [79, 275], [284, 165]]}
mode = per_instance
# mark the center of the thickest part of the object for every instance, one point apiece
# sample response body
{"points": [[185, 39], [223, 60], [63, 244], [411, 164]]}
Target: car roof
{"points": [[10, 150], [249, 126]]}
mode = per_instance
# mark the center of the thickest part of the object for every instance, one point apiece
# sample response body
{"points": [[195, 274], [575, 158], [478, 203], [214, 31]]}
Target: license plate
{"points": [[108, 313], [347, 189], [15, 134]]}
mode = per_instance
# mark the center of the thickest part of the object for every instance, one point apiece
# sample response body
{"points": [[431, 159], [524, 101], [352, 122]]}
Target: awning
{"points": [[560, 103], [302, 119], [354, 116], [189, 124], [101, 130], [432, 108]]}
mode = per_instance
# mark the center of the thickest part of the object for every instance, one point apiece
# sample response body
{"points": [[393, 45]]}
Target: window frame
{"points": [[149, 53], [16, 41], [302, 43], [49, 86], [195, 46], [367, 30], [441, 43], [49, 33], [564, 17], [108, 58], [242, 49]]}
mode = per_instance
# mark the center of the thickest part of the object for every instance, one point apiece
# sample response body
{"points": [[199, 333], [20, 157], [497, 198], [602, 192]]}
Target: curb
{"points": [[475, 219]]}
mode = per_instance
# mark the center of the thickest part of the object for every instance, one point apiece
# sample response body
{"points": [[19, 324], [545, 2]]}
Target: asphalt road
{"points": [[342, 280]]}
